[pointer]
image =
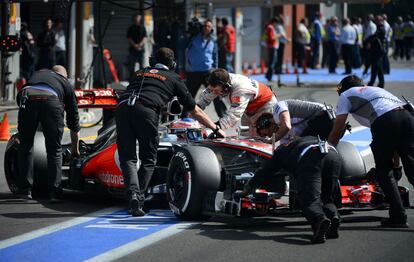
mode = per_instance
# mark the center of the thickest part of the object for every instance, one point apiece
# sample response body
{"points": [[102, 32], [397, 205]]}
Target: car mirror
{"points": [[242, 130], [174, 107]]}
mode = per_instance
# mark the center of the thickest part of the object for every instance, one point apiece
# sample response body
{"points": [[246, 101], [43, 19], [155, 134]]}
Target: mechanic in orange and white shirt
{"points": [[249, 99]]}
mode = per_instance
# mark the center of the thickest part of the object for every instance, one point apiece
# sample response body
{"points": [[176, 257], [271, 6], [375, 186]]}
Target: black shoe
{"points": [[395, 222], [319, 231], [334, 228], [25, 194], [135, 206], [55, 197]]}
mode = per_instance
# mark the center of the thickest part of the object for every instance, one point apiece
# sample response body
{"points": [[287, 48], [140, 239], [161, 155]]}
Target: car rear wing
{"points": [[96, 98]]}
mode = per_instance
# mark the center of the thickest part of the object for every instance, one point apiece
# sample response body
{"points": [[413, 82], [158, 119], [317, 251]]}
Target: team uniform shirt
{"points": [[348, 35], [366, 103], [156, 86], [399, 31], [248, 97], [280, 30], [272, 41], [304, 36], [359, 31], [408, 29], [300, 112], [369, 30], [60, 41], [388, 31], [48, 80]]}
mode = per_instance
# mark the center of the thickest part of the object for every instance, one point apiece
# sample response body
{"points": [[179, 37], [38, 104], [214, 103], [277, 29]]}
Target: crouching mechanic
{"points": [[137, 118], [392, 129], [249, 98], [292, 118], [316, 167]]}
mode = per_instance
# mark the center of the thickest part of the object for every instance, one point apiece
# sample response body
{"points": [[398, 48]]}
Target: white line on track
{"points": [[141, 243], [57, 227]]}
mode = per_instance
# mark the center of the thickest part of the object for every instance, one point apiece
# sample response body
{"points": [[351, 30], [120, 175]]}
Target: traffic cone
{"points": [[245, 68], [4, 129], [287, 71], [262, 67], [254, 68]]}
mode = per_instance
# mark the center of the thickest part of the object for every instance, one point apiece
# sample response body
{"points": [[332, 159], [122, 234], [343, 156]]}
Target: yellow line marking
{"points": [[88, 138]]}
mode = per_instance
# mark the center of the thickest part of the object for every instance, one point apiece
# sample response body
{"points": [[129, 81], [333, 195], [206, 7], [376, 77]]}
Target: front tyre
{"points": [[192, 172]]}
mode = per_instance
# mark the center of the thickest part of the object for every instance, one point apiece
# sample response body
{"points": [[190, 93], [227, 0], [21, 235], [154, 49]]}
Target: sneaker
{"points": [[395, 222], [25, 194], [334, 228], [319, 231], [135, 206]]}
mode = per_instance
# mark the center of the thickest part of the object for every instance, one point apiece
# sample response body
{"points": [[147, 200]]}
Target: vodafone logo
{"points": [[153, 71]]}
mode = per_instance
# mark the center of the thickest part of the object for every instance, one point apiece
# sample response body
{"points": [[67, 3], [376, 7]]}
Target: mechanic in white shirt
{"points": [[392, 129], [248, 98], [292, 118], [369, 29], [348, 39]]}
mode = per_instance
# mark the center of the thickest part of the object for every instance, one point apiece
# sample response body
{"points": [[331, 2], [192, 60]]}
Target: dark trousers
{"points": [[386, 60], [408, 45], [317, 184], [133, 58], [315, 53], [280, 56], [376, 69], [333, 56], [61, 58], [356, 56], [300, 53], [194, 81], [347, 57], [385, 142], [49, 113], [271, 62], [399, 49], [319, 126], [137, 123]]}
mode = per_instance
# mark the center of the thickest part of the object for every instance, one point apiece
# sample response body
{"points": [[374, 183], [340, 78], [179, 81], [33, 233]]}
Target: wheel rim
{"points": [[180, 187]]}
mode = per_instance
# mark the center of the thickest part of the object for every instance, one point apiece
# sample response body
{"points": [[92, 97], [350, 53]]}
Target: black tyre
{"points": [[11, 165], [353, 166], [192, 172]]}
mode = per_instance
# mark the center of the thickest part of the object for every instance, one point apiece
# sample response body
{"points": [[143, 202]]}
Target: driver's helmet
{"points": [[186, 128]]}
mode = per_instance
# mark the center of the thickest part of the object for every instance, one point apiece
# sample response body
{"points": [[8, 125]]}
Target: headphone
{"points": [[263, 122], [227, 87], [171, 63]]}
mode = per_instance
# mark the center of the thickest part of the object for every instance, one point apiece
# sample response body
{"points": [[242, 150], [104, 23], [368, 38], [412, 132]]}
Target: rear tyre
{"points": [[11, 165], [193, 171], [353, 166]]}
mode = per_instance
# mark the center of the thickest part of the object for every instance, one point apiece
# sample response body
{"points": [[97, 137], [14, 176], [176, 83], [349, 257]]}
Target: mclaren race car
{"points": [[198, 176]]}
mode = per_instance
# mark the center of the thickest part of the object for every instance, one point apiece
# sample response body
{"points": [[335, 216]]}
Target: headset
{"points": [[171, 64], [227, 87], [263, 122]]}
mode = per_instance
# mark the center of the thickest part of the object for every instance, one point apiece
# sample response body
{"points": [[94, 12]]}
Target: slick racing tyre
{"points": [[192, 172], [11, 165], [353, 166]]}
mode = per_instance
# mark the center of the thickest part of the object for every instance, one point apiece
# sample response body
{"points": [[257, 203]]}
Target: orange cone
{"points": [[4, 129], [254, 68], [262, 67]]}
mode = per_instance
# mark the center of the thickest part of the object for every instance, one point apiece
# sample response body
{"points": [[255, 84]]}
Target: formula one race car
{"points": [[198, 176]]}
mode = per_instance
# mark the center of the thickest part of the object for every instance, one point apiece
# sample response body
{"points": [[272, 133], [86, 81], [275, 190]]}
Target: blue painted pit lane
{"points": [[90, 239], [115, 234]]}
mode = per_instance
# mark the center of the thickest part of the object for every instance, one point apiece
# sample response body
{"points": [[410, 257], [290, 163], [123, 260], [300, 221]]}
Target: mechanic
{"points": [[316, 166], [137, 118], [392, 129], [42, 100], [249, 98], [296, 118]]}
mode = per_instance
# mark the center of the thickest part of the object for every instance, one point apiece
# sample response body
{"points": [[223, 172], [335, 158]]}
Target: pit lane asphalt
{"points": [[225, 239]]}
